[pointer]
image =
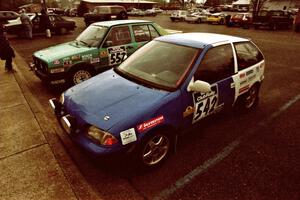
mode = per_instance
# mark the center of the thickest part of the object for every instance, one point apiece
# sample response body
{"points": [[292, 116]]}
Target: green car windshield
{"points": [[159, 64], [92, 35]]}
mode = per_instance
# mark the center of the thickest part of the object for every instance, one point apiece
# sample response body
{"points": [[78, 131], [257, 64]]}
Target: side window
{"points": [[154, 33], [247, 54], [119, 36], [217, 64], [141, 33]]}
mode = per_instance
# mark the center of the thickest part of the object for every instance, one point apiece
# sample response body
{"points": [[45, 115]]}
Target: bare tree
{"points": [[257, 5]]}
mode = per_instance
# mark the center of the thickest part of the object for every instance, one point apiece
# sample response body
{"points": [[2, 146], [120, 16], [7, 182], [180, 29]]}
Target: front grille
{"points": [[40, 65]]}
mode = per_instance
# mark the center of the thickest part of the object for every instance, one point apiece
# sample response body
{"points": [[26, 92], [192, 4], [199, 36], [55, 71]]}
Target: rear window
{"points": [[247, 54]]}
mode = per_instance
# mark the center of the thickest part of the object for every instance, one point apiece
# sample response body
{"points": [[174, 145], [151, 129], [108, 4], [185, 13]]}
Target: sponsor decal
{"points": [[56, 62], [250, 78], [116, 55], [75, 57], [95, 60], [243, 75], [243, 89], [128, 136], [188, 111], [67, 61], [205, 103], [244, 82], [249, 72], [87, 57], [103, 54], [57, 70], [151, 123]]}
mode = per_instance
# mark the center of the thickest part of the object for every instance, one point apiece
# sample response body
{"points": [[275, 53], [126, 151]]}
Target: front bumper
{"points": [[52, 79], [78, 135]]}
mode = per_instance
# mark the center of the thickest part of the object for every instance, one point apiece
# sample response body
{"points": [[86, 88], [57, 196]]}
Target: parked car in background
{"points": [[105, 13], [71, 12], [150, 12], [136, 12], [196, 17], [216, 18], [5, 16], [59, 11], [99, 47], [130, 110], [59, 25], [272, 19], [157, 10], [178, 15], [241, 19]]}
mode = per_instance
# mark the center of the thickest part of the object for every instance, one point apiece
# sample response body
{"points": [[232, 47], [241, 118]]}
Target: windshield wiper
{"points": [[85, 43]]}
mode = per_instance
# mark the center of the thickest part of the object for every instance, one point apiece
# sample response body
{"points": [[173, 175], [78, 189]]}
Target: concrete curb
{"points": [[79, 185]]}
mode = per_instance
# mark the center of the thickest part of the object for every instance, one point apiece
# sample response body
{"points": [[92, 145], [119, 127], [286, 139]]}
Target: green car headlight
{"points": [[101, 137], [62, 98]]}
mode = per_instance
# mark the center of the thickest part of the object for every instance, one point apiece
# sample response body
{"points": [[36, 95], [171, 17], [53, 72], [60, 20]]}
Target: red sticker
{"points": [[242, 75], [243, 89], [151, 123]]}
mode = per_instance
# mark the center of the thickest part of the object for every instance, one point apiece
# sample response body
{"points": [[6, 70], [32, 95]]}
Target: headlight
{"points": [[101, 137], [62, 98]]}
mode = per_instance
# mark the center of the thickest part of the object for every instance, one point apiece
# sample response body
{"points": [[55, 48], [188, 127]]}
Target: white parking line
{"points": [[180, 183]]}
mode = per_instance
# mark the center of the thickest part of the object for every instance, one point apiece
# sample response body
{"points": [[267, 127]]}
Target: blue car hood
{"points": [[108, 95]]}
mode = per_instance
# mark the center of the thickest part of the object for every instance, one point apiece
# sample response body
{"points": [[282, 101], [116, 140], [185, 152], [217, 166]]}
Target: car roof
{"points": [[120, 22], [199, 40]]}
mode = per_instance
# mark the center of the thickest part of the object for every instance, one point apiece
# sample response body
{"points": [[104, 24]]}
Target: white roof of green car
{"points": [[120, 22]]}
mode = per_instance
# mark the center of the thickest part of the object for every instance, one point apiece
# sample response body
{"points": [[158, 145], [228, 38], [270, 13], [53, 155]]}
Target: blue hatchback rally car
{"points": [[163, 88]]}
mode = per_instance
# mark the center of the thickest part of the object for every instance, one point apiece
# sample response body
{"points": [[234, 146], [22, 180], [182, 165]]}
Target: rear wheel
{"points": [[250, 99], [123, 15]]}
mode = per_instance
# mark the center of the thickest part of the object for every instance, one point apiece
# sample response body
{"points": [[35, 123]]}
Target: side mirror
{"points": [[108, 43], [198, 86]]}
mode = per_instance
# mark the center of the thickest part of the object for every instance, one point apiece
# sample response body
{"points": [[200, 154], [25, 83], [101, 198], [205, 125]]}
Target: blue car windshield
{"points": [[92, 35], [159, 64]]}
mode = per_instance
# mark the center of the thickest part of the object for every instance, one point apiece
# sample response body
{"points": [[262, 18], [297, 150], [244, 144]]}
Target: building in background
{"points": [[88, 5]]}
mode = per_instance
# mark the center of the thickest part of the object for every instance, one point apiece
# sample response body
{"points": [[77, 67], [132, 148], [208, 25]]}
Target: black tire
{"points": [[273, 27], [221, 22], [154, 150], [123, 15], [199, 21], [172, 19], [62, 31], [79, 74], [181, 19], [256, 27], [250, 99], [297, 29]]}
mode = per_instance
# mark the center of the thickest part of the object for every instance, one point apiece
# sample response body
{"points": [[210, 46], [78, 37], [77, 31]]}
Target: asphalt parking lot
{"points": [[229, 156]]}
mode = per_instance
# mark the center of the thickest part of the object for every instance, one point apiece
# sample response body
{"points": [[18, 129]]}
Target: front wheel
{"points": [[155, 150], [79, 75]]}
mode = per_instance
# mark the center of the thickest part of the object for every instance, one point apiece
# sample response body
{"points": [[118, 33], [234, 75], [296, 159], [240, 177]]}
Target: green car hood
{"points": [[61, 51]]}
